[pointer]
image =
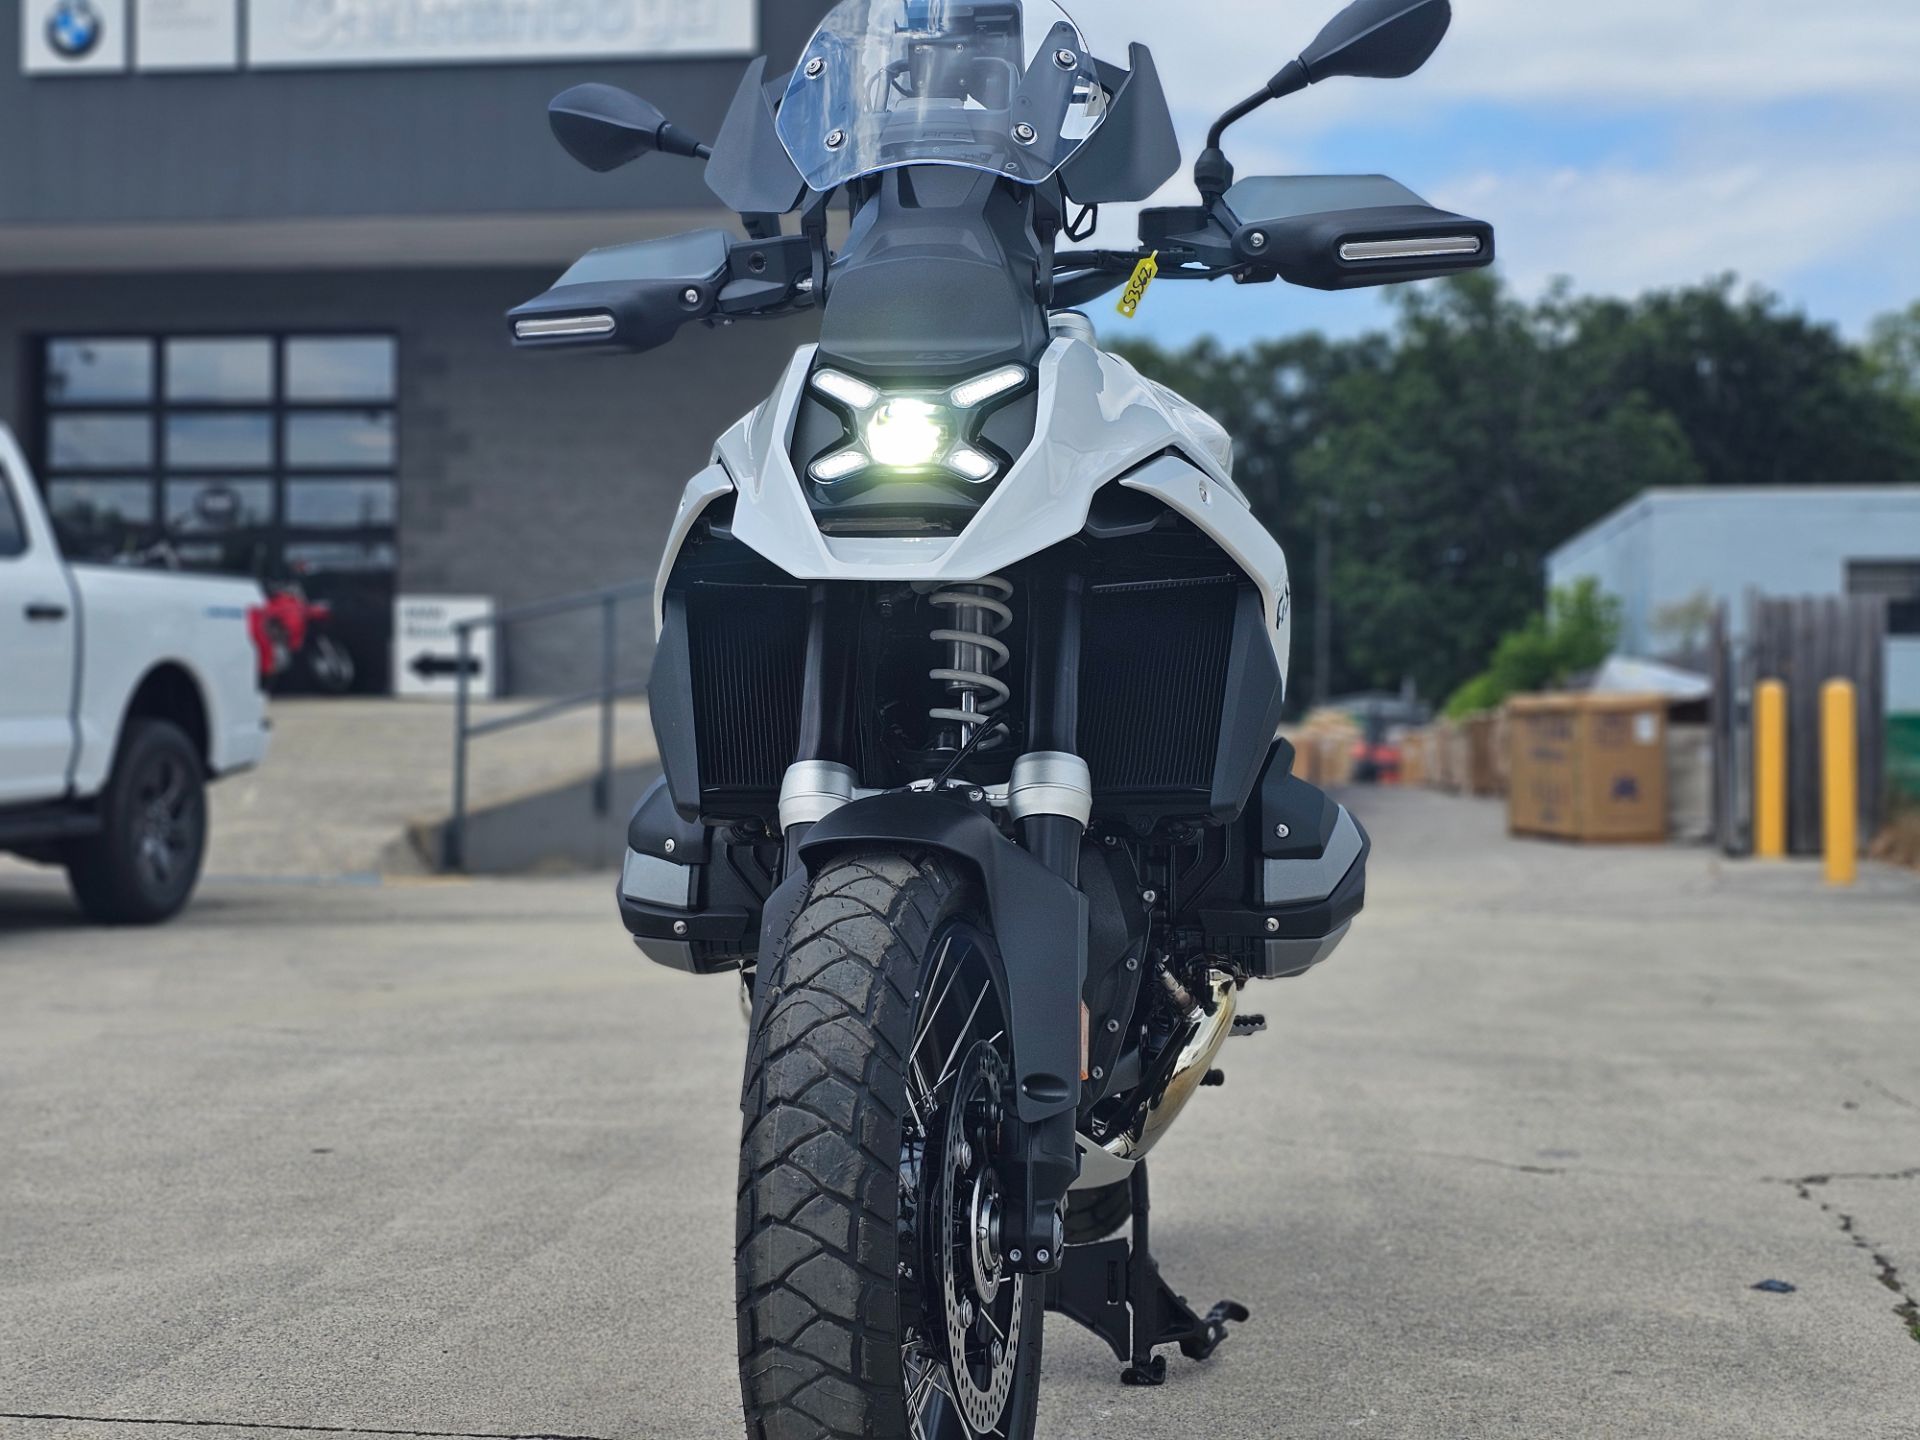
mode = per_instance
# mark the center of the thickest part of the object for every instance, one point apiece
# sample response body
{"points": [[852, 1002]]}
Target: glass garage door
{"points": [[272, 456]]}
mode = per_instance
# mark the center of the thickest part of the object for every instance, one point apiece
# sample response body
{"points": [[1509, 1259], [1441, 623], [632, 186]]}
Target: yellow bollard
{"points": [[1770, 770], [1840, 764]]}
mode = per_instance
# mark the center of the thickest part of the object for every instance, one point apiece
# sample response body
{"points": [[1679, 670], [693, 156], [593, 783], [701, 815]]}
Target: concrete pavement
{"points": [[451, 1158], [319, 808]]}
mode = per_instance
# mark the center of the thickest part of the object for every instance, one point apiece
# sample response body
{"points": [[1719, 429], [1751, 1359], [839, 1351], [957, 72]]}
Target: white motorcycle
{"points": [[970, 670]]}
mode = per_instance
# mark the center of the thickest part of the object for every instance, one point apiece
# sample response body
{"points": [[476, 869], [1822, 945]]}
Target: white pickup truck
{"points": [[122, 693]]}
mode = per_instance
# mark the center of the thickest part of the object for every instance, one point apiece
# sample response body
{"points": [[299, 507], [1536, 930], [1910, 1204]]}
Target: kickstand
{"points": [[1114, 1289]]}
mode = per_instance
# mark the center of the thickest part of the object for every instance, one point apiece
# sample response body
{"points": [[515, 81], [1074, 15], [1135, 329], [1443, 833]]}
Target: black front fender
{"points": [[1039, 921]]}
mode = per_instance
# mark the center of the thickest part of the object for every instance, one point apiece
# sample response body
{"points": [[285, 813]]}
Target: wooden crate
{"points": [[1588, 767]]}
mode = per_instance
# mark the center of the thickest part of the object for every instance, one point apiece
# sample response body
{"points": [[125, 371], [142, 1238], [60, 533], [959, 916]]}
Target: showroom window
{"points": [[242, 453], [272, 456]]}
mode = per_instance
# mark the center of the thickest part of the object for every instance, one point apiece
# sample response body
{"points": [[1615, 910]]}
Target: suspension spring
{"points": [[975, 654]]}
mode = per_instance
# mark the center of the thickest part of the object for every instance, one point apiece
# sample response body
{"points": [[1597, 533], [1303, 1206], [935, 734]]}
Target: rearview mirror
{"points": [[604, 127], [1375, 39], [1378, 39]]}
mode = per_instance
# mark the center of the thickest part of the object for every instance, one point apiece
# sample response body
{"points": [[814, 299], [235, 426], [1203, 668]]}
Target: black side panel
{"points": [[1294, 874], [656, 828], [696, 898], [1117, 929], [670, 699], [1254, 697], [750, 170], [1295, 819], [1040, 923], [1135, 151]]}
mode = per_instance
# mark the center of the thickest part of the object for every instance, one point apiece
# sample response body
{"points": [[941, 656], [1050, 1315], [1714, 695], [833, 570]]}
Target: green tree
{"points": [[1764, 395], [1449, 458], [1893, 353], [1489, 438]]}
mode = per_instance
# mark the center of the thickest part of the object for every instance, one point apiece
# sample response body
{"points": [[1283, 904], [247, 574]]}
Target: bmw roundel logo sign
{"points": [[74, 28]]}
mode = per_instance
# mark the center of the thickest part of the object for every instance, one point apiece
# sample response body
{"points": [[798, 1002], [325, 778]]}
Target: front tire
{"points": [[143, 865], [872, 1104], [330, 663]]}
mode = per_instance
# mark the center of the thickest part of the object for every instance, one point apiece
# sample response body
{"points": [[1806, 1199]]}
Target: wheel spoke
{"points": [[987, 1315], [959, 1040], [926, 1020], [917, 1393], [920, 1102]]}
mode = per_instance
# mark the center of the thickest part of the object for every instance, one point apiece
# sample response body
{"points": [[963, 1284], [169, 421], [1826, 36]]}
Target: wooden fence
{"points": [[1805, 642]]}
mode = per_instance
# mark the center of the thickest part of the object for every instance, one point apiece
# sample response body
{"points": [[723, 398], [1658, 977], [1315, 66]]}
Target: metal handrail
{"points": [[605, 694]]}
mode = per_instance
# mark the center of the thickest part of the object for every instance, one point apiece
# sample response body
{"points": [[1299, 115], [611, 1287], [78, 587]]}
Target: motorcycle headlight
{"points": [[913, 432], [906, 434]]}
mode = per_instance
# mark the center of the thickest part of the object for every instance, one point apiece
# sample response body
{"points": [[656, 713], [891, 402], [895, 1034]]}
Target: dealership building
{"points": [[254, 259]]}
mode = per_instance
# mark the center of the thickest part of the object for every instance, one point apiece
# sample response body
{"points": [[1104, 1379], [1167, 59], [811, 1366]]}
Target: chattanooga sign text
{"points": [[413, 32]]}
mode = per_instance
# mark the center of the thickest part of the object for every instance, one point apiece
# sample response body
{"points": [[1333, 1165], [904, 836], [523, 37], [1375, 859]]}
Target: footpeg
{"points": [[1249, 1024]]}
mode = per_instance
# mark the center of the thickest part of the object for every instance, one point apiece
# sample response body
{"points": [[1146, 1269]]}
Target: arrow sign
{"points": [[426, 646], [429, 666]]}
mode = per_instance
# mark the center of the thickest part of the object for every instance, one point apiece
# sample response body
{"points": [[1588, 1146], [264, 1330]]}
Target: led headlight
{"points": [[975, 465], [839, 465], [907, 434], [982, 388], [911, 432], [855, 394]]}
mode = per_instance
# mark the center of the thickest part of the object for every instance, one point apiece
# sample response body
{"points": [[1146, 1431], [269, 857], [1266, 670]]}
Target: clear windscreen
{"points": [[1005, 86]]}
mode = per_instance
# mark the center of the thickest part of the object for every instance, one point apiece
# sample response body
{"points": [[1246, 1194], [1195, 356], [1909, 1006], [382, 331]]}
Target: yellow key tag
{"points": [[1136, 291]]}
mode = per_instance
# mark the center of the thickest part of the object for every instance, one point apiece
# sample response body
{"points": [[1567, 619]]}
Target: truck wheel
{"points": [[142, 866]]}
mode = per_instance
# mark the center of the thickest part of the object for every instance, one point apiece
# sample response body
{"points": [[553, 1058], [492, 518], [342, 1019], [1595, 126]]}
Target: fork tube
{"points": [[1053, 713], [825, 731]]}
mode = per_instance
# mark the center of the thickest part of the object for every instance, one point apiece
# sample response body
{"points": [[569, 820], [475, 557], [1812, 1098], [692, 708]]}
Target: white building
{"points": [[1669, 550]]}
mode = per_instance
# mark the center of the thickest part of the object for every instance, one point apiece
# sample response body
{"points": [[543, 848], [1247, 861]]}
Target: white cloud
{"points": [[1776, 138], [1623, 230], [1611, 53]]}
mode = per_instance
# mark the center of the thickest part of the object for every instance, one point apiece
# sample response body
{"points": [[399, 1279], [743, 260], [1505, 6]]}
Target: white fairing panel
{"points": [[1099, 420]]}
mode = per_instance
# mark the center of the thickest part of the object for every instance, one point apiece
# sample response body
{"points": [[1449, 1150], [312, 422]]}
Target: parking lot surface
{"points": [[451, 1159]]}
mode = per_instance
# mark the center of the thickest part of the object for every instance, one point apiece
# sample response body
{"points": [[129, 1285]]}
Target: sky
{"points": [[1628, 145]]}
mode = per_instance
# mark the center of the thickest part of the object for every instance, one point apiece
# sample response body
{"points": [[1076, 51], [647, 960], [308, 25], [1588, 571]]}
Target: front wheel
{"points": [[873, 1299], [330, 663]]}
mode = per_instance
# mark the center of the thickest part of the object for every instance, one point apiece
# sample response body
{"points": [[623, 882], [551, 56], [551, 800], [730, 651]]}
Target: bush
{"points": [[1578, 631]]}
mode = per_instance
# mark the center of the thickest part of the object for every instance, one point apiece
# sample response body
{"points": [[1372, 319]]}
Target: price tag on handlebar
{"points": [[1136, 291]]}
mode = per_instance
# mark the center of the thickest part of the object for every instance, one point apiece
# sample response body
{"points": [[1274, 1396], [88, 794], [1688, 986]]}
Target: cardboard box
{"points": [[1588, 767]]}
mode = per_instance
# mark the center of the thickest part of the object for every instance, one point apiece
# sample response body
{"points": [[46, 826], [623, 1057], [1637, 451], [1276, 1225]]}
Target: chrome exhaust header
{"points": [[1210, 1031]]}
